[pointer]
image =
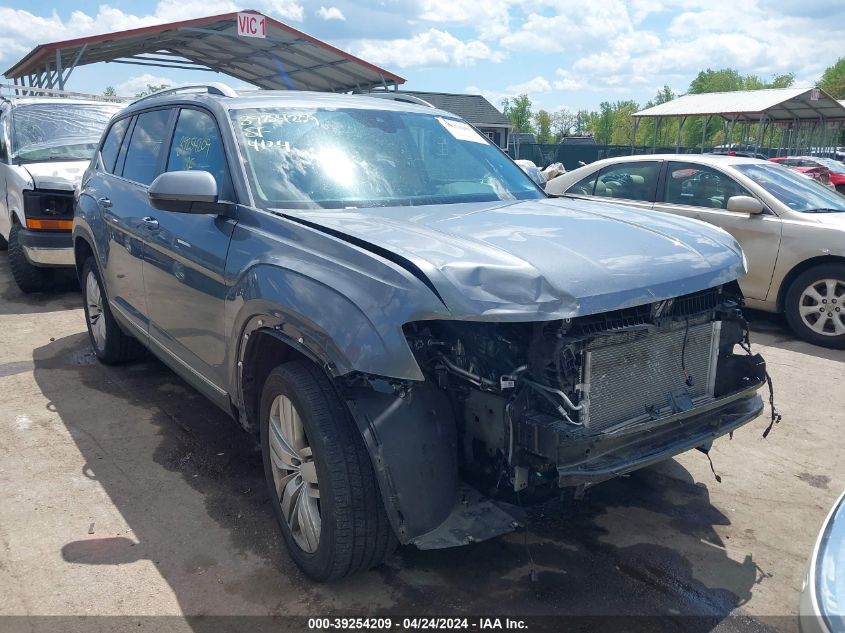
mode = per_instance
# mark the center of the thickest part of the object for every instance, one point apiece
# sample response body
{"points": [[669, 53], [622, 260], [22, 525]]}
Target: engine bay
{"points": [[531, 400]]}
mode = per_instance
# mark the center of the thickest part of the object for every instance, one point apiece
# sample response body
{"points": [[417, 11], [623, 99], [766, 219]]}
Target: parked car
{"points": [[822, 606], [45, 145], [532, 170], [790, 227], [397, 310], [738, 152], [578, 139], [812, 164], [810, 169]]}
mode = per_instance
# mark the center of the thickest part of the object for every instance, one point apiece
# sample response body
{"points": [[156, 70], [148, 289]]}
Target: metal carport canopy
{"points": [[285, 59], [778, 104]]}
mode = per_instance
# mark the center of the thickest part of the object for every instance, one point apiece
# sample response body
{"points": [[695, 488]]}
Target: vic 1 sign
{"points": [[252, 25]]}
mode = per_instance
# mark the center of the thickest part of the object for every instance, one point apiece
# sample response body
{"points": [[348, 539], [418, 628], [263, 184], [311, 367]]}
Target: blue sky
{"points": [[563, 53]]}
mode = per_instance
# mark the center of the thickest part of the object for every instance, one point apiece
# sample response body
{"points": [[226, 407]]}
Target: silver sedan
{"points": [[791, 229]]}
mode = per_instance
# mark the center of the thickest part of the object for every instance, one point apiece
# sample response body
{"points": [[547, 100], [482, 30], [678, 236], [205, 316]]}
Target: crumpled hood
{"points": [[61, 175], [544, 259]]}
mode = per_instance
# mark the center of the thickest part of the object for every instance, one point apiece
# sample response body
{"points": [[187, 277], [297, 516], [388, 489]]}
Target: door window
{"points": [[585, 186], [629, 181], [700, 186], [144, 156], [111, 146], [196, 145]]}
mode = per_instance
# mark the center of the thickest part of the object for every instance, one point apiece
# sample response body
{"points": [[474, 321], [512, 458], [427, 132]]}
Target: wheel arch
{"points": [[263, 350], [799, 268]]}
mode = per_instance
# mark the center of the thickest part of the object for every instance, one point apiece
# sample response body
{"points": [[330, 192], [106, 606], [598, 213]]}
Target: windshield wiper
{"points": [[824, 210]]}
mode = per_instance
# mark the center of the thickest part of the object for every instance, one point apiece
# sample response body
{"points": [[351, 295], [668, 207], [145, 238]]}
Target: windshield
{"points": [[312, 158], [833, 165], [797, 192], [56, 131]]}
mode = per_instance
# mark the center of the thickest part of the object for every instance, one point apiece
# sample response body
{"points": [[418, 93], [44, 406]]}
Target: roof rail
{"points": [[19, 90], [212, 88], [397, 96]]}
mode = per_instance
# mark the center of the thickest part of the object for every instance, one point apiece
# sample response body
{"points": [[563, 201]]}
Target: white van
{"points": [[45, 145]]}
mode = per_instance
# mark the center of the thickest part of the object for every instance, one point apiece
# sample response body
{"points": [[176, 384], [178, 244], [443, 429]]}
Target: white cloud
{"points": [[490, 18], [139, 83], [429, 48], [330, 13], [535, 85]]}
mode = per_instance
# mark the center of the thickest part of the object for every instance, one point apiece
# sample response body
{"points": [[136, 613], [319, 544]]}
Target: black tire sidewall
{"points": [[793, 296], [29, 278], [109, 354], [317, 565]]}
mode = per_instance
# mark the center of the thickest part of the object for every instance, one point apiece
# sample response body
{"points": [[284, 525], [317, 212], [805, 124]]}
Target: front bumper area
{"points": [[48, 249], [616, 455]]}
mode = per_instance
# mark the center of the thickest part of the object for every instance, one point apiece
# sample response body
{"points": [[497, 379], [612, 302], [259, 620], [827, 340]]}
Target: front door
{"points": [[702, 192], [186, 257]]}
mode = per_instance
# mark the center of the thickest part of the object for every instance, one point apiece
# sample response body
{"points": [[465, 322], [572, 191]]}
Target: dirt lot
{"points": [[123, 492]]}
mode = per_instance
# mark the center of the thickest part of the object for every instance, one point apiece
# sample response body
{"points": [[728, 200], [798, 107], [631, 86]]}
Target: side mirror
{"points": [[745, 204], [185, 192]]}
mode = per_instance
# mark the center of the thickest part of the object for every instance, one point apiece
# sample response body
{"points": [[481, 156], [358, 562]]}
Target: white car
{"points": [[45, 145], [791, 228]]}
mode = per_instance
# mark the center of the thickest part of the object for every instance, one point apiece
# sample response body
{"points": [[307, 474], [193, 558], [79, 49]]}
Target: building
{"points": [[474, 109]]}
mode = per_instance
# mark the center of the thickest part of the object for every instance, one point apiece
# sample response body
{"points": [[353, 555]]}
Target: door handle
{"points": [[104, 202], [150, 223]]}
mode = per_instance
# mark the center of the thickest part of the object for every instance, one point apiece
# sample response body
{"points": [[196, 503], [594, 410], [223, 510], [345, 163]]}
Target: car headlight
{"points": [[830, 570]]}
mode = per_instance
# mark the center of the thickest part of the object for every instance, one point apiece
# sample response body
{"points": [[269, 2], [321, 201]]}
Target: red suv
{"points": [[826, 170]]}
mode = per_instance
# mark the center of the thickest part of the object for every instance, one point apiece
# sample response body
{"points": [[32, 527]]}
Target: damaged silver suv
{"points": [[415, 331]]}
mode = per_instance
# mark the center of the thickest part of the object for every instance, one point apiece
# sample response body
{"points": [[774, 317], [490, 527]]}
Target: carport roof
{"points": [[285, 59], [786, 104]]}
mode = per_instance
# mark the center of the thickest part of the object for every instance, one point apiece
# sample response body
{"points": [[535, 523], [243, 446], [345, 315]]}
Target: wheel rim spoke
{"points": [[94, 303], [819, 307], [294, 474]]}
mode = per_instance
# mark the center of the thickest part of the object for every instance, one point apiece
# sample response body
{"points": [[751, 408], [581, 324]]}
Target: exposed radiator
{"points": [[634, 377]]}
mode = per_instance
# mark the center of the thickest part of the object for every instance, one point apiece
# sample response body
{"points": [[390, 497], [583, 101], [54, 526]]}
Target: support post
{"points": [[704, 131], [678, 137], [60, 77]]}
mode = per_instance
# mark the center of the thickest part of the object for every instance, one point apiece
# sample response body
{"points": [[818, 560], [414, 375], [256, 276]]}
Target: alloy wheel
{"points": [[294, 474], [822, 307], [96, 317]]}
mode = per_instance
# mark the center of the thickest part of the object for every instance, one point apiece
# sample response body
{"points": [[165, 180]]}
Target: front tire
{"points": [[111, 344], [29, 278], [321, 482], [815, 305]]}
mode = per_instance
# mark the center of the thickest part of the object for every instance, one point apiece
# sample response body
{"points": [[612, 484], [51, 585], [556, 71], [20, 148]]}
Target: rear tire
{"points": [[29, 278], [815, 305], [111, 344], [319, 476]]}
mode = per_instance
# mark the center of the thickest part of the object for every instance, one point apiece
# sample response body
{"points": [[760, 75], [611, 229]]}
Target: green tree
{"points": [[109, 92], [151, 88], [543, 124], [622, 129], [563, 122], [833, 80], [518, 110], [601, 123]]}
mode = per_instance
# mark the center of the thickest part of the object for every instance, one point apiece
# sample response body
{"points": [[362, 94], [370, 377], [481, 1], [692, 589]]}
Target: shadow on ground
{"points": [[62, 293], [772, 330], [645, 544]]}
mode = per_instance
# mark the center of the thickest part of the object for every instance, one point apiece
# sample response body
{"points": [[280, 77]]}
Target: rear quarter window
{"points": [[112, 143]]}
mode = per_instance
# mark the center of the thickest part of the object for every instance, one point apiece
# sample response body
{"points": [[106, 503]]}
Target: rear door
{"points": [[186, 257], [701, 192], [130, 157]]}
